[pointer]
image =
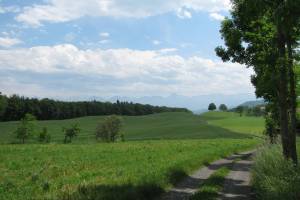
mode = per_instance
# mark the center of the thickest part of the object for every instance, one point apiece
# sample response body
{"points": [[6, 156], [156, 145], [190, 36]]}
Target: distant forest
{"points": [[15, 107]]}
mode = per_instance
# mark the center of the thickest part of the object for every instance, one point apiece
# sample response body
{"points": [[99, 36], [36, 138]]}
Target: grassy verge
{"points": [[212, 186], [273, 177], [130, 170]]}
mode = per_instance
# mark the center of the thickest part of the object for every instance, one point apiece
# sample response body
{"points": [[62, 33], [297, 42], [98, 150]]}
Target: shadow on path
{"points": [[237, 183], [190, 185]]}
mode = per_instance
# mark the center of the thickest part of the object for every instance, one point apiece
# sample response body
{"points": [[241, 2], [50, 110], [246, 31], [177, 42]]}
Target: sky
{"points": [[68, 49]]}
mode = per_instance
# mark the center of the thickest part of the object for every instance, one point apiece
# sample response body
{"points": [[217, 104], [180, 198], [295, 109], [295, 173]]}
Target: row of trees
{"points": [[212, 107], [106, 131], [256, 111], [15, 107], [264, 35]]}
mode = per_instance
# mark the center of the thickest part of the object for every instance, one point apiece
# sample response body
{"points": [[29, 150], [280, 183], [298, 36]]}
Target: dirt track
{"points": [[237, 183]]}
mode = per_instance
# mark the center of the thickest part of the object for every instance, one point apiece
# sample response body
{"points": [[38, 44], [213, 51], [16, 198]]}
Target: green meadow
{"points": [[236, 123], [159, 150], [157, 126]]}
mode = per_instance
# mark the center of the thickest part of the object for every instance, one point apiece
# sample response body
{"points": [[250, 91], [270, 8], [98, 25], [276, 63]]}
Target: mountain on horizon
{"points": [[252, 104], [194, 103]]}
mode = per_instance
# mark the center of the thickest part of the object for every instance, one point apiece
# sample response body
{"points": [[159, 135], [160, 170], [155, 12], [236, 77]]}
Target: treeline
{"points": [[15, 107]]}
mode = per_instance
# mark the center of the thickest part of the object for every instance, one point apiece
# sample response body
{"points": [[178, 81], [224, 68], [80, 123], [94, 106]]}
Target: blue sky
{"points": [[84, 48]]}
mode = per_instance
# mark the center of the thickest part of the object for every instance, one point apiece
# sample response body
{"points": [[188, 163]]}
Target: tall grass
{"points": [[274, 177], [113, 171]]}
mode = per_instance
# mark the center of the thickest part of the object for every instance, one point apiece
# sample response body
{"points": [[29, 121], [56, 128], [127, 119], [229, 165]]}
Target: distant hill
{"points": [[252, 104]]}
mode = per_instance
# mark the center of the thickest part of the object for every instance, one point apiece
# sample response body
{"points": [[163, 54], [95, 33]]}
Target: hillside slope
{"points": [[234, 122], [157, 126]]}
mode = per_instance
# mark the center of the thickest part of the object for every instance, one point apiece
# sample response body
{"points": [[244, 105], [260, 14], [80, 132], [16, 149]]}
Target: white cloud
{"points": [[144, 72], [104, 41], [156, 42], [66, 10], [184, 14], [217, 16], [9, 9], [9, 42], [104, 34]]}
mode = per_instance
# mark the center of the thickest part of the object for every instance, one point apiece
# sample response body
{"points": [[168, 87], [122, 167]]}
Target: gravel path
{"points": [[239, 176], [237, 183]]}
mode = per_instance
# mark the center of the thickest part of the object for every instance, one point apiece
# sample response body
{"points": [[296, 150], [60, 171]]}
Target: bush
{"points": [[44, 136], [109, 130], [26, 128], [275, 178], [70, 133]]}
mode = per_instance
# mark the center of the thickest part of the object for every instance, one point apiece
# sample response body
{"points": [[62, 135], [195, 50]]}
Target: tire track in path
{"points": [[237, 183]]}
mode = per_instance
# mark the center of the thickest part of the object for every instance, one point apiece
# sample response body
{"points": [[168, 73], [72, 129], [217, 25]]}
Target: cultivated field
{"points": [[123, 170]]}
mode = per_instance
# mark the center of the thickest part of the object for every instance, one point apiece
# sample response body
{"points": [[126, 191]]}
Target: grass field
{"points": [[156, 126], [139, 169], [234, 122], [110, 171]]}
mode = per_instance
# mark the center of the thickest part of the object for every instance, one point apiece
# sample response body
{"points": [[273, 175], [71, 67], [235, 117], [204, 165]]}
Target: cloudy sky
{"points": [[105, 48]]}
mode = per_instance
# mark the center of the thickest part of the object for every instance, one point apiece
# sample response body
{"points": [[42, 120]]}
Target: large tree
{"points": [[263, 34]]}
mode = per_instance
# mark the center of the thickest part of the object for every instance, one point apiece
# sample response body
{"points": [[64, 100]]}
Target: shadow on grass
{"points": [[115, 192], [148, 191], [176, 175]]}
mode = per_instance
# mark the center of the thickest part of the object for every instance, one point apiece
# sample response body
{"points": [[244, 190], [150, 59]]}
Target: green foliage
{"points": [[212, 107], [297, 72], [265, 35], [44, 136], [26, 128], [271, 129], [223, 107], [109, 130], [3, 105], [110, 171], [273, 177], [211, 187], [256, 111], [71, 132]]}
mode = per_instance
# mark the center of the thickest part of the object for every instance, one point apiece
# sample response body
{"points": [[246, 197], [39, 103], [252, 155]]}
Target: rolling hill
{"points": [[156, 126]]}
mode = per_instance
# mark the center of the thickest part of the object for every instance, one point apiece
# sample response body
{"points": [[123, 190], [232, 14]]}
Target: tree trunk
{"points": [[293, 104], [283, 92]]}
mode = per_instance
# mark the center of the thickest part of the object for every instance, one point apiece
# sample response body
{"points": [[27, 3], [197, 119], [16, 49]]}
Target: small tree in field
{"points": [[26, 128], [44, 136], [223, 107], [240, 110], [212, 107], [71, 132], [109, 130]]}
